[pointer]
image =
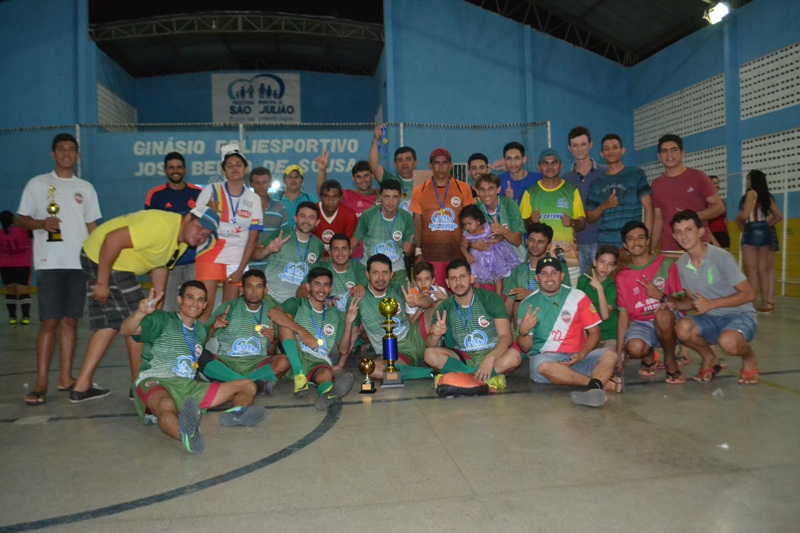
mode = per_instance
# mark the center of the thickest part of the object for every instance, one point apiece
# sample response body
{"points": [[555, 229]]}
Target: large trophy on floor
{"points": [[388, 307]]}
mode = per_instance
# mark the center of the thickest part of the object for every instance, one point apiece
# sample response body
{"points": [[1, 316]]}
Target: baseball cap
{"points": [[293, 167], [441, 151], [230, 149], [549, 152], [208, 218], [548, 262]]}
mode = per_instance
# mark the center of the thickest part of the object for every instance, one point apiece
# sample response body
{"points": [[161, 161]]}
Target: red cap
{"points": [[441, 151]]}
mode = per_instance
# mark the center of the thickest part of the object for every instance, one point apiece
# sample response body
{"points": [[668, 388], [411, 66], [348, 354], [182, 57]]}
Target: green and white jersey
{"points": [[287, 269], [370, 316], [407, 186], [506, 213], [473, 327], [382, 236], [170, 348], [343, 282], [327, 325], [524, 276], [240, 338]]}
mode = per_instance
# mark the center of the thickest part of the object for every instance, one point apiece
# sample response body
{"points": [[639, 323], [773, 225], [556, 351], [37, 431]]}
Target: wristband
{"points": [[419, 251], [520, 334]]}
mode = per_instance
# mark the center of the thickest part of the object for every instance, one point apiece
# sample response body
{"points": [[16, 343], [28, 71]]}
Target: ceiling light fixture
{"points": [[717, 13]]}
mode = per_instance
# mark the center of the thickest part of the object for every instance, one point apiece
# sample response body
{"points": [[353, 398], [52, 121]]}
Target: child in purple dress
{"points": [[490, 265]]}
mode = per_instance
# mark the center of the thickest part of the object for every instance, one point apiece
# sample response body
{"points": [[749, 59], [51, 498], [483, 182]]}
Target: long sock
{"points": [[454, 365], [263, 373], [217, 370], [291, 348], [11, 304], [25, 302], [324, 387], [414, 372]]}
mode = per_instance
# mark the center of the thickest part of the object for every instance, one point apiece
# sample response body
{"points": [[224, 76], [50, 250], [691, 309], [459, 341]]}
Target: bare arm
{"points": [[418, 229], [655, 236], [715, 208], [252, 243], [775, 214], [647, 207], [374, 155]]}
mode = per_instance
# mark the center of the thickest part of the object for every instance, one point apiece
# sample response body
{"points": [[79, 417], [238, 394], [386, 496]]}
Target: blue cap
{"points": [[549, 152], [208, 218]]}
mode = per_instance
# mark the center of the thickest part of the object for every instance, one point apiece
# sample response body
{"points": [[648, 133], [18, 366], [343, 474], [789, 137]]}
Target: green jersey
{"points": [[608, 328], [170, 348], [473, 327], [385, 236], [406, 185], [242, 337], [372, 319], [524, 276], [506, 213], [343, 282], [326, 325], [287, 269]]}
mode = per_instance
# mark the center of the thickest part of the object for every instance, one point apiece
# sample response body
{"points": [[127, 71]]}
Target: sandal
{"points": [[617, 384], [707, 374], [748, 377], [649, 369], [675, 378], [683, 360], [36, 397]]}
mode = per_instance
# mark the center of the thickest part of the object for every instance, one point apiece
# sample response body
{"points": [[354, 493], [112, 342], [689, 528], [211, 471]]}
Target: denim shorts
{"points": [[712, 326], [757, 234], [585, 367]]}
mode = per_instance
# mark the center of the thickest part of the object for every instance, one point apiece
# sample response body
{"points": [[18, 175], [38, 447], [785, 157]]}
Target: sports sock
{"points": [[414, 372], [217, 370], [25, 302], [263, 373], [291, 348], [324, 387], [454, 365], [11, 304], [594, 383]]}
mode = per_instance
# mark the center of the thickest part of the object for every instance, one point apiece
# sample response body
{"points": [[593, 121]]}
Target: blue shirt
{"points": [[291, 205], [519, 187], [589, 233]]}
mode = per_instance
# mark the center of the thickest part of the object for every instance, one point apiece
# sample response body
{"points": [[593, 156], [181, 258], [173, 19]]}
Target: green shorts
{"points": [[179, 390], [242, 365], [411, 348], [312, 364]]}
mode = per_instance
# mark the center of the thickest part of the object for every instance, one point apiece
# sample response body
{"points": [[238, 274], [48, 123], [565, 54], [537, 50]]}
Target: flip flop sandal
{"points": [[36, 397], [649, 370], [748, 377], [707, 374], [675, 378]]}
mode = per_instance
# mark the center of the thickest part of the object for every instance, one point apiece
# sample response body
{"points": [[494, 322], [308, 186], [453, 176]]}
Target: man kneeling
{"points": [[173, 343], [552, 321]]}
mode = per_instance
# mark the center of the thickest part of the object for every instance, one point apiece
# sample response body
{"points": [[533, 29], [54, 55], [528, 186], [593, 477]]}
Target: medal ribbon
{"points": [[192, 347], [436, 190], [317, 330], [458, 308], [235, 208]]}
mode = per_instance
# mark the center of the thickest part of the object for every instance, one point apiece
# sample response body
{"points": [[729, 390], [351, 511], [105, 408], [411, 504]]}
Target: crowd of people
{"points": [[557, 268]]}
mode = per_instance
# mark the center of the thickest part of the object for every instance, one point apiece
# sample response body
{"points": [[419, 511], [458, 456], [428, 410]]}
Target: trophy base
{"points": [[392, 379], [54, 237], [368, 388]]}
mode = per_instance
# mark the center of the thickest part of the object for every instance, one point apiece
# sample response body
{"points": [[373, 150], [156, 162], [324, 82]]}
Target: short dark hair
{"points": [[477, 156], [192, 283], [611, 137], [379, 258], [670, 137], [405, 149], [472, 211], [64, 137], [172, 156], [683, 216], [260, 171], [514, 145], [254, 273], [318, 272], [491, 178], [455, 264], [330, 185], [632, 225], [360, 166], [606, 249], [390, 185], [424, 266], [339, 237], [307, 205], [577, 131], [541, 229]]}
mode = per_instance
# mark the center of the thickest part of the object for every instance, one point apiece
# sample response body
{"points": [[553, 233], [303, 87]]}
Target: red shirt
{"points": [[343, 221], [358, 203]]}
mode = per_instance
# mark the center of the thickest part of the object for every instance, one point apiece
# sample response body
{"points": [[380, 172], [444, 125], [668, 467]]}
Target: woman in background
{"points": [[718, 225], [15, 267]]}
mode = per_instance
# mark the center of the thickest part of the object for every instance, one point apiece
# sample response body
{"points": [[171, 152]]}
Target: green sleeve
{"points": [[611, 295], [339, 327], [565, 270], [360, 273], [291, 306], [512, 211], [220, 309], [493, 304], [583, 281], [270, 237], [152, 326], [361, 227], [511, 280], [410, 233]]}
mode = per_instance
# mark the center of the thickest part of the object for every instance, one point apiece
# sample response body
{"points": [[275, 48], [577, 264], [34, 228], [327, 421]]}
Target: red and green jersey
{"points": [[632, 296], [561, 320]]}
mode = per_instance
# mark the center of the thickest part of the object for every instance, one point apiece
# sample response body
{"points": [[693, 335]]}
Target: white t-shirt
{"points": [[78, 206], [238, 215]]}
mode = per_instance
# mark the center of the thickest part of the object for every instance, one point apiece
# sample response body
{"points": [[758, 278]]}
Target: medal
{"points": [[258, 328], [320, 342], [195, 365]]}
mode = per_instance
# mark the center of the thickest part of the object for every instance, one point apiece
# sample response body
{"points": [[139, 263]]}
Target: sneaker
{"points": [[300, 385], [243, 416], [93, 393], [341, 386], [150, 419], [130, 394], [189, 421], [589, 398], [25, 321], [436, 379], [497, 383], [12, 321]]}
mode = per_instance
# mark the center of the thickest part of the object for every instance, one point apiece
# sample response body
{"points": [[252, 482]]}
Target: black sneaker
{"points": [[341, 386], [93, 393]]}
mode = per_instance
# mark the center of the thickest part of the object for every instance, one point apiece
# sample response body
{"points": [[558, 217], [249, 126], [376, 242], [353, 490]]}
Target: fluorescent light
{"points": [[717, 13]]}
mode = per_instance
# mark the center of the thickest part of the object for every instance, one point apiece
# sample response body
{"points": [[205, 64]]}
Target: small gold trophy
{"points": [[52, 210], [388, 307], [366, 366]]}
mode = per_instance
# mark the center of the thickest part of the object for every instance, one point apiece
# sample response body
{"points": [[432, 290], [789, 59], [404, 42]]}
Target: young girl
{"points": [[602, 291], [430, 295], [490, 265]]}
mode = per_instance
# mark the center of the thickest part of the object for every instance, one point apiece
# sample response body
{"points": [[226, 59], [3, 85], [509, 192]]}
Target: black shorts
{"points": [[15, 275], [61, 293]]}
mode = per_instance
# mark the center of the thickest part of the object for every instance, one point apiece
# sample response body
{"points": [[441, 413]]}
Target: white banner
{"points": [[259, 98]]}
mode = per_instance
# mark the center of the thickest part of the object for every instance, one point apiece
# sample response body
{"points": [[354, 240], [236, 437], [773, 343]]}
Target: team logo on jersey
{"points": [[244, 213], [312, 258], [151, 383], [78, 198], [349, 285], [340, 303], [482, 322], [592, 308], [562, 203], [397, 235], [443, 220], [455, 201], [387, 248], [294, 273], [660, 282], [326, 235], [566, 316], [183, 366], [404, 204], [245, 346], [329, 329], [477, 340]]}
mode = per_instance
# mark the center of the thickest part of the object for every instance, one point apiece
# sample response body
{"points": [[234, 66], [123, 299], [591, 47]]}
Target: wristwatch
{"points": [[665, 298]]}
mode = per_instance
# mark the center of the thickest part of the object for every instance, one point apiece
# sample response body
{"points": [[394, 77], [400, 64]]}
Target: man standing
{"points": [[175, 196], [334, 217], [721, 298], [387, 229], [293, 194], [558, 204], [559, 328], [405, 162], [61, 285], [677, 189], [172, 345], [480, 328], [362, 197], [113, 256], [584, 171], [436, 205], [516, 180], [622, 194], [477, 165], [275, 217]]}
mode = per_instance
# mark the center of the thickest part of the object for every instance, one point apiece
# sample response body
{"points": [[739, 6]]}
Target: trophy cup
{"points": [[388, 307], [52, 210], [366, 366]]}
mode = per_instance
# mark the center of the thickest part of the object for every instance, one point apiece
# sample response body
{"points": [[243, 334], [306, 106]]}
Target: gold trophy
{"points": [[388, 307], [366, 366], [52, 210]]}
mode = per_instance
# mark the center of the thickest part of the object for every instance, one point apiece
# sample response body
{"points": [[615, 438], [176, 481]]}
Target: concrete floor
{"points": [[698, 457]]}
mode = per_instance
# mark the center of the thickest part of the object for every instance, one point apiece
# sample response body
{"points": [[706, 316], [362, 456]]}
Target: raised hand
{"points": [[149, 304], [222, 319], [411, 296], [612, 201], [594, 282], [352, 311], [536, 216], [529, 320], [322, 160], [649, 287], [519, 293], [566, 220], [277, 244], [509, 192], [440, 327]]}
